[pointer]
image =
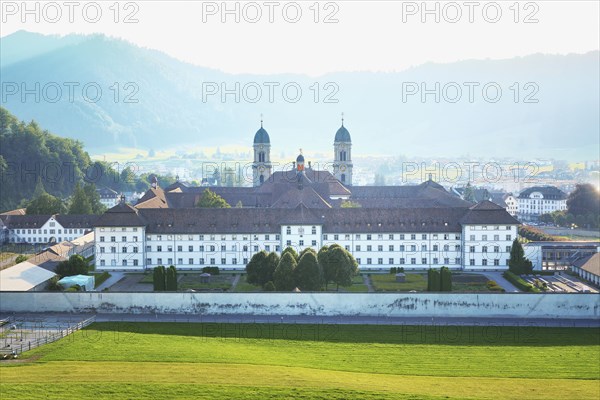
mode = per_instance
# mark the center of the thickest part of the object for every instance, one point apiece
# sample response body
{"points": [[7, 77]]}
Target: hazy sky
{"points": [[368, 35]]}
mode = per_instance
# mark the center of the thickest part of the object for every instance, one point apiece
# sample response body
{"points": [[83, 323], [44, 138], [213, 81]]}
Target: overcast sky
{"points": [[368, 35]]}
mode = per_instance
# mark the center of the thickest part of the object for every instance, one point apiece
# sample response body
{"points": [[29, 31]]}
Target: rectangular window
{"points": [[472, 237], [391, 261], [123, 238], [423, 247], [435, 261], [471, 249], [201, 261], [484, 262], [347, 237], [446, 260], [314, 242], [496, 249], [234, 261], [391, 237], [190, 261], [413, 237], [124, 249], [113, 249], [102, 238], [508, 237], [288, 243], [288, 230], [135, 263], [368, 237], [347, 247], [190, 248], [380, 247], [424, 236], [325, 237], [380, 237], [169, 248], [484, 249], [496, 262], [435, 247], [314, 230], [267, 248], [301, 243], [223, 261], [484, 237], [358, 260], [401, 236], [401, 247], [457, 261], [413, 247], [369, 261], [102, 263], [358, 247], [170, 261], [457, 247], [200, 248], [336, 237], [180, 261], [391, 247], [380, 261], [369, 247], [101, 249], [159, 261], [423, 260], [472, 261], [223, 247], [113, 239], [255, 248], [148, 261], [413, 261], [508, 249], [496, 237], [158, 248], [401, 260]]}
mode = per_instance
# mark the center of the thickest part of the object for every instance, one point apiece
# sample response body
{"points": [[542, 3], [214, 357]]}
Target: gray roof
{"points": [[342, 135], [121, 215], [549, 192], [37, 221], [487, 213]]}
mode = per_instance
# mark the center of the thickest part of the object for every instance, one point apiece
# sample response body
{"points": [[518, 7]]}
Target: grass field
{"points": [[246, 361], [387, 282]]}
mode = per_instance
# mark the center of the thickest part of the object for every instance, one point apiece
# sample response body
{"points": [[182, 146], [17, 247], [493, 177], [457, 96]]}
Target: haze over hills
{"points": [[171, 112]]}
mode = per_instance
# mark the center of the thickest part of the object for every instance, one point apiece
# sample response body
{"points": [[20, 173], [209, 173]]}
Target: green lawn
{"points": [[100, 278], [217, 282], [243, 286], [464, 282], [387, 282], [247, 361]]}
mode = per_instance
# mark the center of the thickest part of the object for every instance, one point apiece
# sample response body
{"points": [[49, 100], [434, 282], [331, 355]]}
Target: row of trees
{"points": [[307, 271], [439, 281], [84, 200], [165, 279]]}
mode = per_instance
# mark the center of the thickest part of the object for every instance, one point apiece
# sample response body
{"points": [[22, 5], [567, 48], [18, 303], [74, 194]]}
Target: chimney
{"points": [[309, 165]]}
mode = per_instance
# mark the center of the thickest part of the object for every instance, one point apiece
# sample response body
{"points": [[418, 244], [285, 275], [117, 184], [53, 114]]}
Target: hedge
{"points": [[519, 282]]}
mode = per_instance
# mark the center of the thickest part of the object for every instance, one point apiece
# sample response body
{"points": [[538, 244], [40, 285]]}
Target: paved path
{"points": [[367, 281], [114, 278], [235, 281], [506, 285], [307, 319]]}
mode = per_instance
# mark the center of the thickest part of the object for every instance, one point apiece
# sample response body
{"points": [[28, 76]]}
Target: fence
{"points": [[21, 345]]}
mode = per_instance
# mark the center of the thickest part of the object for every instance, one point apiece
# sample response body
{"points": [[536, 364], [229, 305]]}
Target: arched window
{"points": [[262, 179], [343, 178], [261, 156]]}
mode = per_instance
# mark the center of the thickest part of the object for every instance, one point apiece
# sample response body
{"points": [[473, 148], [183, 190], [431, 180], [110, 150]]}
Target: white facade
{"points": [[50, 231], [512, 205], [535, 205], [476, 247]]}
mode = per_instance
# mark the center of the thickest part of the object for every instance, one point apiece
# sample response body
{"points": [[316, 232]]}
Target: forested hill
{"points": [[29, 154]]}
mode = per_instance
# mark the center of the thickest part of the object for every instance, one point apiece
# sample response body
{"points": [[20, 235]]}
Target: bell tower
{"points": [[261, 166], [342, 159]]}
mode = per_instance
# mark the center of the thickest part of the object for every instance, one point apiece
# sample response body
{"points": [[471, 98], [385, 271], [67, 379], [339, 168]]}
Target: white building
{"points": [[535, 201], [475, 238], [108, 197], [41, 229]]}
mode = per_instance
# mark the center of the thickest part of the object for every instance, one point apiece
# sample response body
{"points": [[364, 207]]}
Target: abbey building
{"points": [[415, 227]]}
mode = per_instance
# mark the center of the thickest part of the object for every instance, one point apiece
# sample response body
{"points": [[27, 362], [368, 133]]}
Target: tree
{"points": [[171, 279], [339, 266], [433, 280], [80, 203], [308, 274], [75, 265], [445, 279], [292, 252], [584, 204], [210, 199], [518, 264], [159, 279], [269, 287], [283, 277], [469, 194], [46, 204], [93, 198], [326, 268], [261, 267]]}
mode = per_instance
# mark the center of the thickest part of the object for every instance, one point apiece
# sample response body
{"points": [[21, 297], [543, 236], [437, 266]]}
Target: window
{"points": [[496, 262], [170, 261], [446, 260], [401, 236], [368, 261], [212, 248], [135, 238], [413, 247], [201, 237], [223, 247], [391, 237], [123, 238], [401, 247], [234, 261], [472, 261], [336, 237], [496, 237], [255, 248], [508, 249], [484, 249], [148, 261], [102, 238], [457, 237], [369, 237], [508, 237], [288, 243], [190, 248], [158, 248], [180, 261], [380, 261], [423, 260], [314, 242], [314, 230], [358, 247], [424, 236], [484, 262], [435, 247], [102, 263], [113, 249], [223, 261], [245, 261], [124, 249], [471, 237], [101, 249], [357, 237], [496, 249], [325, 237], [471, 249], [413, 237], [201, 261], [277, 248], [347, 247], [435, 261], [401, 260], [380, 237], [457, 247], [169, 248], [358, 260], [413, 261], [391, 247], [277, 237], [288, 230], [369, 248], [301, 242], [423, 247], [267, 248], [190, 261], [179, 248], [112, 238], [457, 260], [201, 248], [245, 247], [391, 261], [159, 261], [380, 247], [484, 237]]}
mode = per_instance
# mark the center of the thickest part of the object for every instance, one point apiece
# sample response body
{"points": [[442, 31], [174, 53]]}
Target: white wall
{"points": [[327, 304]]}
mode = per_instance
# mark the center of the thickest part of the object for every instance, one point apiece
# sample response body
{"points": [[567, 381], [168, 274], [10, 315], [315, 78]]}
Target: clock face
{"points": [[261, 169], [342, 168]]}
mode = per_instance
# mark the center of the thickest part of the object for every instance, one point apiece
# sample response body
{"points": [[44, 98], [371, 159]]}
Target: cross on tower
{"points": [[261, 120], [342, 119]]}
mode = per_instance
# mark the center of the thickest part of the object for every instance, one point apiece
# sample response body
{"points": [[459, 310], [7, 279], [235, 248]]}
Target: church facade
{"points": [[414, 227]]}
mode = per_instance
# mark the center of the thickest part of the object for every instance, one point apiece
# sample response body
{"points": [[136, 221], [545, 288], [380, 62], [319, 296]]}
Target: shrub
{"points": [[211, 270], [493, 286], [401, 269], [20, 258], [393, 270], [519, 282], [269, 287]]}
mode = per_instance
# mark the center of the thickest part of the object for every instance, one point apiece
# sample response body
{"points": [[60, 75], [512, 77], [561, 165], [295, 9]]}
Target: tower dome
{"points": [[342, 134], [262, 136], [300, 158]]}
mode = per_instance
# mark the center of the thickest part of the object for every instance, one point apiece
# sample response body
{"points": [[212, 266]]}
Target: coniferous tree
{"points": [[518, 263], [283, 277], [445, 279], [308, 274], [80, 203]]}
